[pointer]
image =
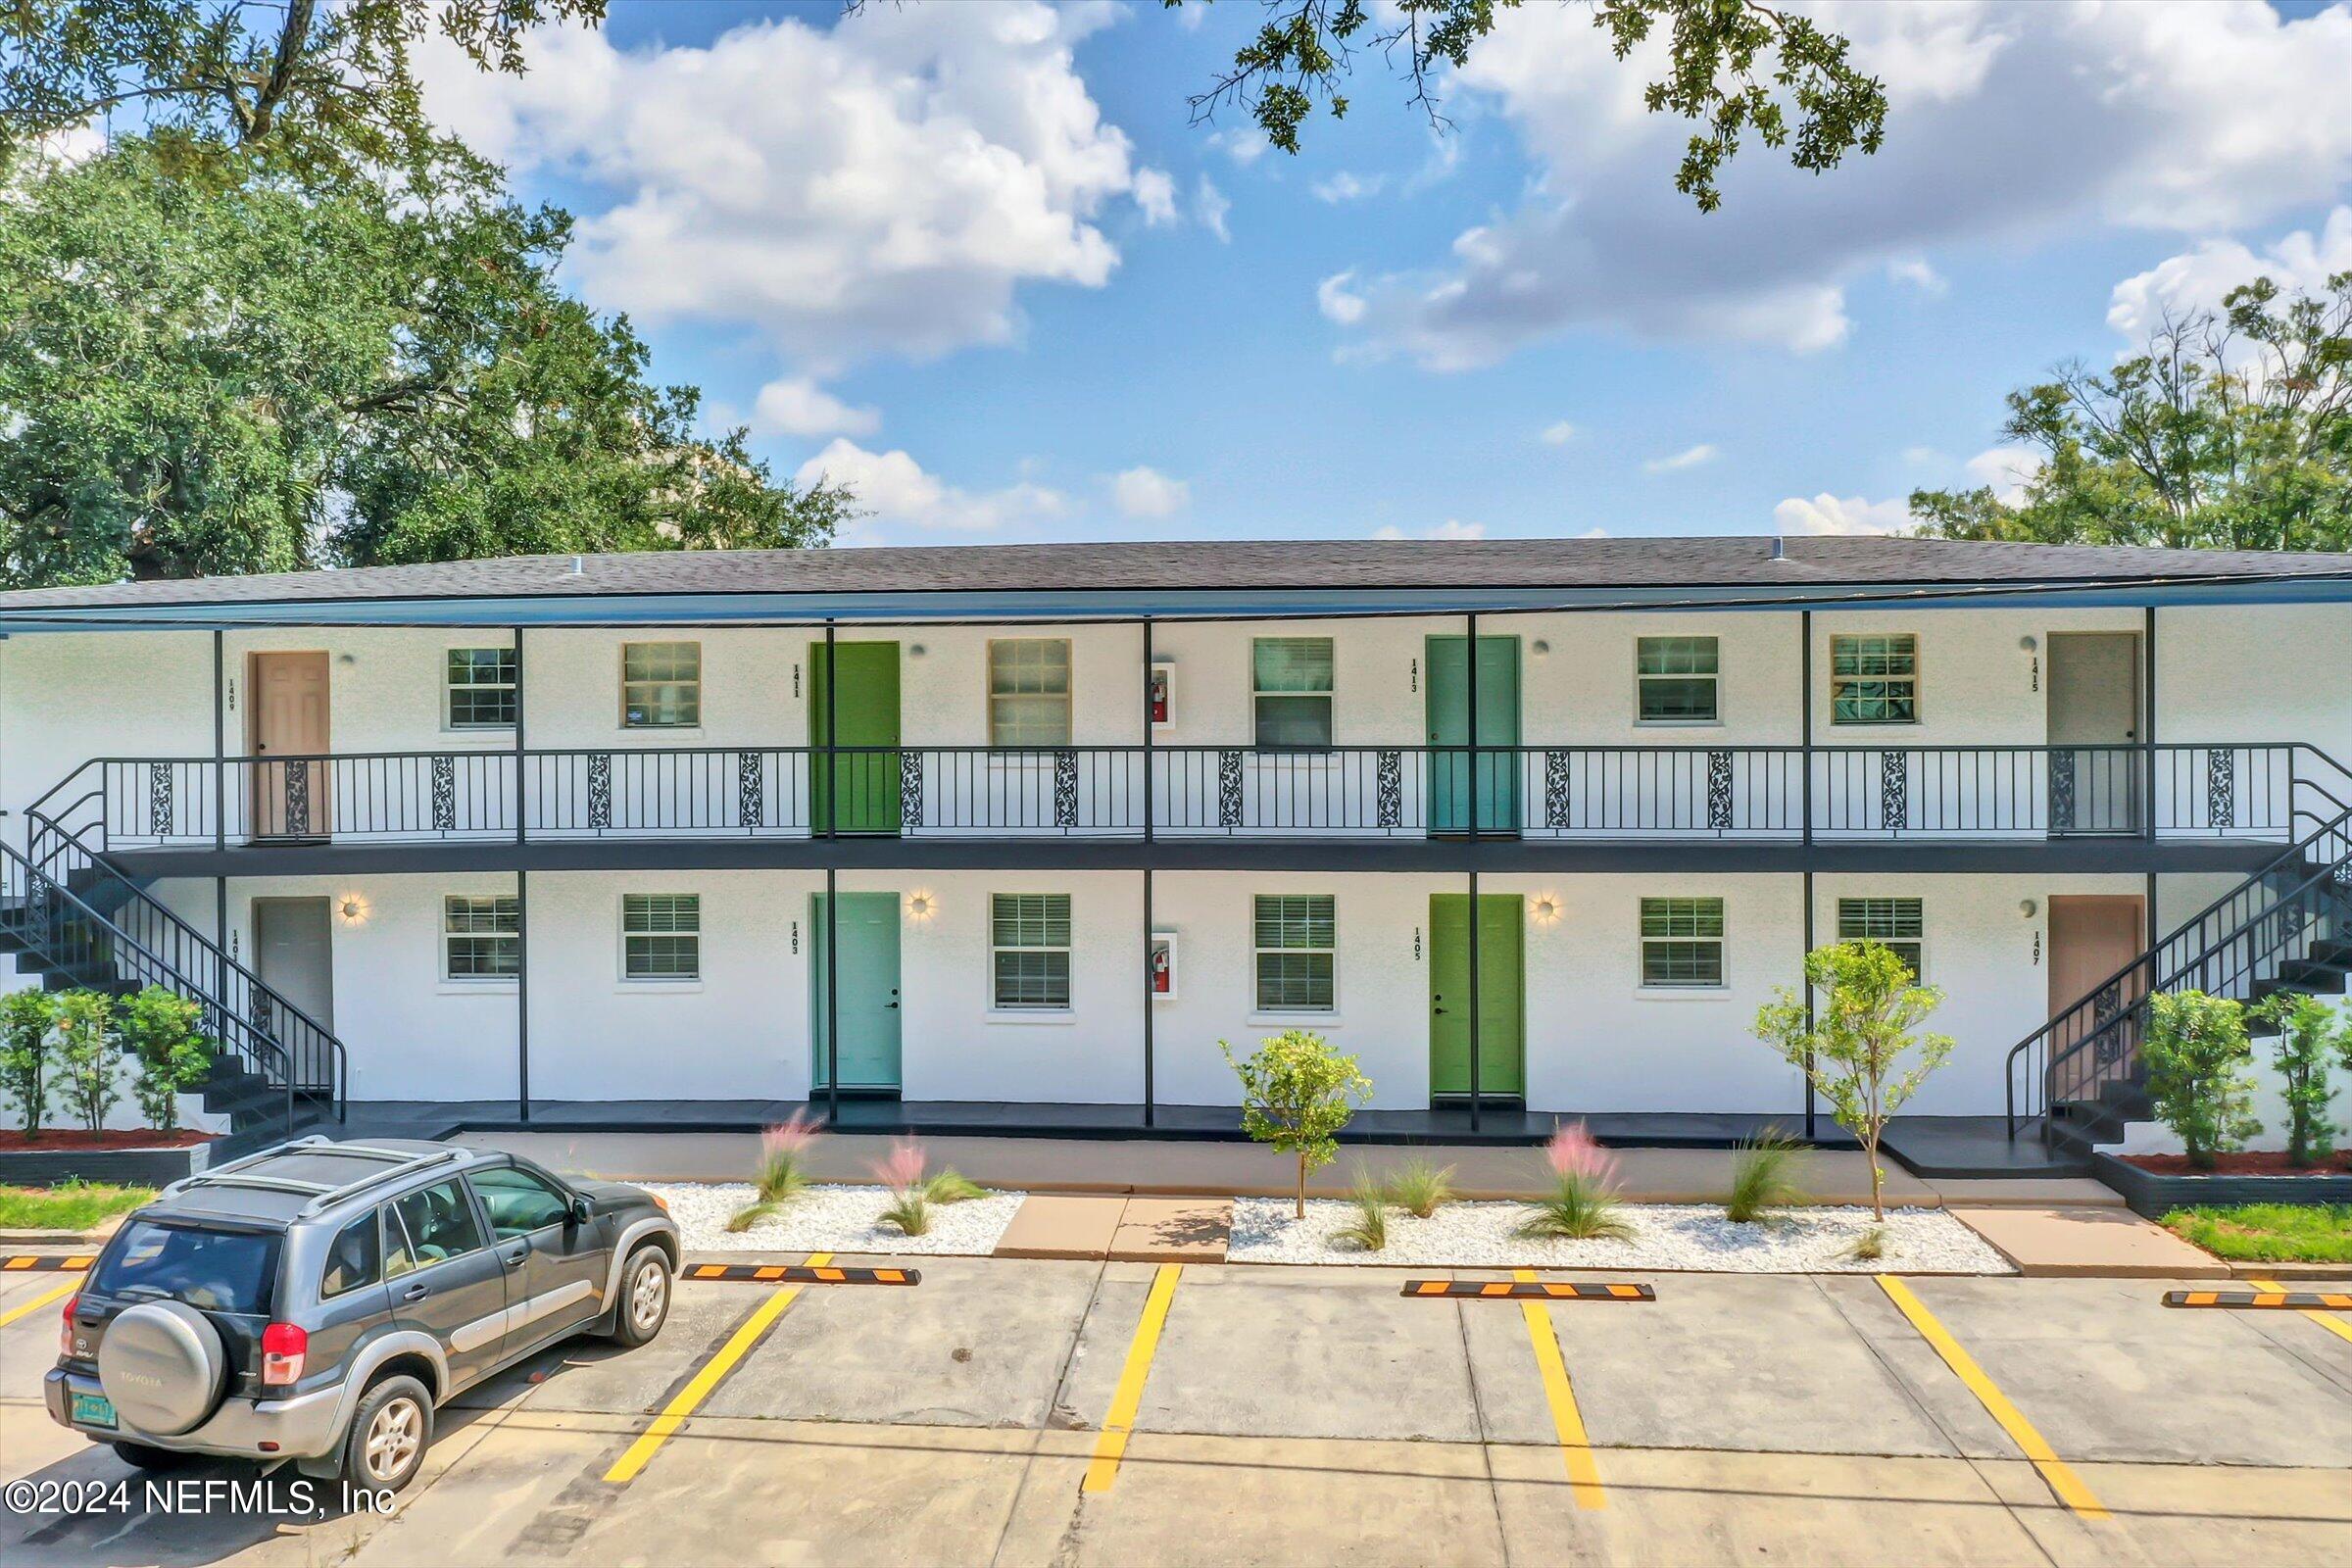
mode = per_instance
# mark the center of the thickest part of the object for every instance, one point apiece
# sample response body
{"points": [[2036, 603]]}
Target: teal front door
{"points": [[1461, 793], [868, 982]]}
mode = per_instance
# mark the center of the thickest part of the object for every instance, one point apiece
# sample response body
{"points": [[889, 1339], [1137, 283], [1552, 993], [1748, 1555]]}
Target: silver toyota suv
{"points": [[316, 1301]]}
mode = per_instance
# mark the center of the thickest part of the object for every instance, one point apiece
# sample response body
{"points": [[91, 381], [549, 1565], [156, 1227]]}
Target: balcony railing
{"points": [[1600, 793]]}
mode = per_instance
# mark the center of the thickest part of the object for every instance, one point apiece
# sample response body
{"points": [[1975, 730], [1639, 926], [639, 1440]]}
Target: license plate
{"points": [[94, 1409]]}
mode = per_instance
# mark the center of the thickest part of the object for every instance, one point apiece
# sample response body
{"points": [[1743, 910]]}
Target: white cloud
{"points": [[1688, 458], [1155, 195], [2010, 120], [798, 405], [1450, 528], [894, 488], [1827, 514], [1243, 144], [1925, 457], [1347, 188], [2196, 279], [2005, 470], [1337, 301], [1210, 206], [1558, 435], [1916, 272], [883, 185], [1146, 492]]}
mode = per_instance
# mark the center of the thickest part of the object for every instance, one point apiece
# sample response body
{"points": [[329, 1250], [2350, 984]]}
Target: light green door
{"points": [[1448, 703], [868, 982], [865, 782], [1502, 1001]]}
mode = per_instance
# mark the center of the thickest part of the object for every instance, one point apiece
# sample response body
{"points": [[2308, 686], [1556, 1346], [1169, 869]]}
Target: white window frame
{"points": [[1259, 1007], [451, 686], [451, 935], [1063, 698], [694, 900], [1901, 909], [1030, 1009], [1917, 679], [1329, 696], [695, 681], [1713, 678], [1720, 940]]}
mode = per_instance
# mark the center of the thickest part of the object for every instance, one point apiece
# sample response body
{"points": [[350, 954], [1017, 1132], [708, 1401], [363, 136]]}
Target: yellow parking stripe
{"points": [[2334, 1325], [39, 1301], [1129, 1396], [714, 1373], [1576, 1449], [2061, 1477]]}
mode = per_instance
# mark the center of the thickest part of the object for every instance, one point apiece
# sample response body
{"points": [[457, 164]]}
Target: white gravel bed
{"points": [[833, 1219], [1666, 1236]]}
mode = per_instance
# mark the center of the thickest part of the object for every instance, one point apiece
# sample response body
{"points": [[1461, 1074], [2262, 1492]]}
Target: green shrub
{"points": [[1582, 1205], [1870, 1246], [1852, 1050], [783, 1173], [909, 1211], [1296, 1097], [1420, 1188], [2198, 1055], [1763, 1176], [88, 1064], [157, 1027], [952, 1186], [1367, 1229], [2310, 1033], [27, 1060]]}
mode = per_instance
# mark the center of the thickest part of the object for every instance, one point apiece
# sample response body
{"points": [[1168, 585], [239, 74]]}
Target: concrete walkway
{"points": [[1180, 1168]]}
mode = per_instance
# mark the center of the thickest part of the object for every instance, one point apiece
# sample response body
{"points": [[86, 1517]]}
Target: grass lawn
{"points": [[2268, 1232], [66, 1206]]}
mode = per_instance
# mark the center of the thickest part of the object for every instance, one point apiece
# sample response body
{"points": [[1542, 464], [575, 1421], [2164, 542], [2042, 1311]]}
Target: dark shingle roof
{"points": [[1248, 565]]}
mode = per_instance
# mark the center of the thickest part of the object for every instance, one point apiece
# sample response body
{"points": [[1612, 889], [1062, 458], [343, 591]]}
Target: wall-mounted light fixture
{"points": [[916, 650], [351, 908], [1545, 911], [922, 907], [2031, 645], [347, 659], [1540, 647], [2028, 909]]}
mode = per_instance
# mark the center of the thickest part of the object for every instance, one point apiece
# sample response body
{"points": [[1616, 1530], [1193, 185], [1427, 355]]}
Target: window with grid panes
{"points": [[1874, 679], [1682, 942], [1029, 949], [1899, 923], [479, 688], [1289, 684], [662, 936], [1676, 677], [1029, 691], [481, 937], [661, 685], [1296, 941]]}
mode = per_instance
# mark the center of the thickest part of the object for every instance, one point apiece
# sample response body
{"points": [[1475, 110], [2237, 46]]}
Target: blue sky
{"points": [[984, 266]]}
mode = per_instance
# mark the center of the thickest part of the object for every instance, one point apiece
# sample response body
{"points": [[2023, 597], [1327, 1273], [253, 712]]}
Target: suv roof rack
{"points": [[321, 1194]]}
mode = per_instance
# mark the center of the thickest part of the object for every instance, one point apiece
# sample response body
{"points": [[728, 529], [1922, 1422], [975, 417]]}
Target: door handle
{"points": [[890, 1006], [514, 1260], [416, 1292], [1437, 1009]]}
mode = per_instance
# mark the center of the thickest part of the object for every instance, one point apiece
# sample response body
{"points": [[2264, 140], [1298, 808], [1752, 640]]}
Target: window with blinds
{"points": [[662, 936], [1029, 691], [478, 689], [1874, 679], [1682, 942], [481, 938], [1674, 681], [1899, 923], [1029, 949], [661, 685], [1296, 939], [1290, 691]]}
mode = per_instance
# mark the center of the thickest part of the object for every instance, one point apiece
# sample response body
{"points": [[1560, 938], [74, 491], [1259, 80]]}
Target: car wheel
{"points": [[147, 1458], [644, 1305], [389, 1434]]}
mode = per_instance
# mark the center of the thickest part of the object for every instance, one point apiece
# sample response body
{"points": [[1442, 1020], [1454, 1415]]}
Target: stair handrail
{"points": [[39, 884], [61, 844], [2339, 825]]}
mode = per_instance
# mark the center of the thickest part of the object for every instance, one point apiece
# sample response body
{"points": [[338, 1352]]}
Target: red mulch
{"points": [[52, 1139], [2272, 1164]]}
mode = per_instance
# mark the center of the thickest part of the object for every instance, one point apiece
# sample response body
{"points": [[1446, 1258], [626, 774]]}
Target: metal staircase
{"points": [[74, 918], [2285, 928]]}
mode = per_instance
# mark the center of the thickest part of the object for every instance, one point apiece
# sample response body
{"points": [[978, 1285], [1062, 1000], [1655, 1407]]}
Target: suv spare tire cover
{"points": [[163, 1365]]}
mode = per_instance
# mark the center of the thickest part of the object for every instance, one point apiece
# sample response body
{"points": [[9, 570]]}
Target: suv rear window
{"points": [[213, 1272]]}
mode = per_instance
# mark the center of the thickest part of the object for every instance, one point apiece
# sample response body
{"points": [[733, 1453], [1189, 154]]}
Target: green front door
{"points": [[1501, 1000], [864, 782], [868, 984], [1447, 703]]}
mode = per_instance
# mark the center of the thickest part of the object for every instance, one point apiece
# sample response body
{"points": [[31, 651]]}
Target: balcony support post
{"points": [[1470, 662], [1150, 995], [219, 749], [1806, 981], [832, 992], [519, 704], [522, 994], [2148, 742], [1804, 707]]}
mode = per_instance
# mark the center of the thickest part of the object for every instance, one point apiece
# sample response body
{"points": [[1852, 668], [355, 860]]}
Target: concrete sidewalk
{"points": [[1184, 1169]]}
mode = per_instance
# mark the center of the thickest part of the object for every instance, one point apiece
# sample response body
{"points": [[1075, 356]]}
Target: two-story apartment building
{"points": [[1528, 826]]}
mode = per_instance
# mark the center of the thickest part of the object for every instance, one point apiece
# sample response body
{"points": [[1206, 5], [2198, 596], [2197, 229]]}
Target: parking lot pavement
{"points": [[1311, 1415]]}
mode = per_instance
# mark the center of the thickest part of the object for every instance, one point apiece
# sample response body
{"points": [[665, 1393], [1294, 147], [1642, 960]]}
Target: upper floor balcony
{"points": [[1046, 801]]}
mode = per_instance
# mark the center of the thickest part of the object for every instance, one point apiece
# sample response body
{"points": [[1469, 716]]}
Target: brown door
{"points": [[2092, 937], [2093, 724], [291, 787]]}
